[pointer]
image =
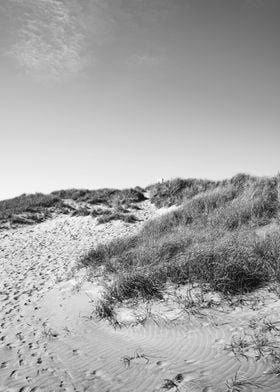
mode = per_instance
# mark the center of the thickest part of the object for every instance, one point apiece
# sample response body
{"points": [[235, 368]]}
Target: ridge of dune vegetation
{"points": [[29, 209], [170, 288], [213, 238]]}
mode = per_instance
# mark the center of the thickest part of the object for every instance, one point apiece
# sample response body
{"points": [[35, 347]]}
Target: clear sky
{"points": [[118, 93]]}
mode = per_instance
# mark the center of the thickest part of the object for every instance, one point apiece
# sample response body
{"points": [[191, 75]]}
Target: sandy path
{"points": [[32, 261], [49, 341]]}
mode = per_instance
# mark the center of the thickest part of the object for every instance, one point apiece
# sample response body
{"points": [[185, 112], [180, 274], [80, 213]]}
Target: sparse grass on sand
{"points": [[114, 215], [35, 208], [211, 238], [239, 382], [259, 340]]}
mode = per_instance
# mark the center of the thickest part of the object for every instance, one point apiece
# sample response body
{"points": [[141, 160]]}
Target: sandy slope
{"points": [[49, 340]]}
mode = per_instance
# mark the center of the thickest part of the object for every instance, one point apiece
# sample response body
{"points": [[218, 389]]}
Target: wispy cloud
{"points": [[143, 60], [50, 40], [54, 40]]}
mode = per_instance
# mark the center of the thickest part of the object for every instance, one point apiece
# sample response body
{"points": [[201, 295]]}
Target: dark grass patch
{"points": [[81, 212], [104, 309], [175, 192], [100, 211], [126, 287], [94, 212], [134, 285], [27, 203], [128, 218], [105, 196]]}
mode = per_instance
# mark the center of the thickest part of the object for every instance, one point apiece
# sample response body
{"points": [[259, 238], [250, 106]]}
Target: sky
{"points": [[119, 93]]}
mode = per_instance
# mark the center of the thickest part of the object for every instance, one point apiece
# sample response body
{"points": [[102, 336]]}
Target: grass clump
{"points": [[105, 309], [134, 285], [238, 382], [125, 287], [81, 212], [114, 215]]}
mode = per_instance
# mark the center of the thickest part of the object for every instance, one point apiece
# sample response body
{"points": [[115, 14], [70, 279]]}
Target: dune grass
{"points": [[107, 196], [174, 192], [27, 203], [35, 208], [212, 238], [178, 190]]}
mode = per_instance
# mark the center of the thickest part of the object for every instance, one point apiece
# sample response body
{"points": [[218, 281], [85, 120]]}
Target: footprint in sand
{"points": [[13, 374], [23, 389], [9, 346], [21, 362], [162, 363], [97, 375]]}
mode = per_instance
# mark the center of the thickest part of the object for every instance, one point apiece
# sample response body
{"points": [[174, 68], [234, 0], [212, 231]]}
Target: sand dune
{"points": [[49, 340]]}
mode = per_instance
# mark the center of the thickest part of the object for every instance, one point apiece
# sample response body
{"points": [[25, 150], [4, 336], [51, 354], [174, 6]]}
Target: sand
{"points": [[51, 341]]}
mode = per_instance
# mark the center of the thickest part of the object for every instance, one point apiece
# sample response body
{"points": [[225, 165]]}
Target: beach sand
{"points": [[51, 341]]}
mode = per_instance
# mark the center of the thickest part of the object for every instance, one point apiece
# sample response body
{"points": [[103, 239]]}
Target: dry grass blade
{"points": [[127, 359], [239, 382]]}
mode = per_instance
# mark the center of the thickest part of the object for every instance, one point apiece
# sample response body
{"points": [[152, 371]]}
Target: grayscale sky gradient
{"points": [[117, 93]]}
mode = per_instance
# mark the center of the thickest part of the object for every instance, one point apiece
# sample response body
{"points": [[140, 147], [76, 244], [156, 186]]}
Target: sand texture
{"points": [[50, 340]]}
